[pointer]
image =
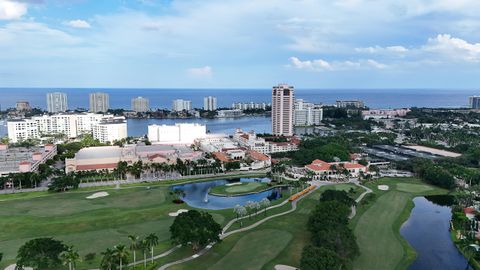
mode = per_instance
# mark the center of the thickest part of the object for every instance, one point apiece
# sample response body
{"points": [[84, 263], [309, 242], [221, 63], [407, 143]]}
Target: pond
{"points": [[427, 231], [196, 194]]}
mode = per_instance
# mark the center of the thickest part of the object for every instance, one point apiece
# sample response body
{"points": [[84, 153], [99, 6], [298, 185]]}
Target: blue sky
{"points": [[242, 43]]}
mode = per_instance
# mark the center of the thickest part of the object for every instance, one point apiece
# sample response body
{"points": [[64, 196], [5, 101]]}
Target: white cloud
{"points": [[453, 48], [78, 24], [201, 72], [322, 65], [379, 49], [11, 10]]}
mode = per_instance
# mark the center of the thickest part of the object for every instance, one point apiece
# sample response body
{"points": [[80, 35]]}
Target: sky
{"points": [[240, 44]]}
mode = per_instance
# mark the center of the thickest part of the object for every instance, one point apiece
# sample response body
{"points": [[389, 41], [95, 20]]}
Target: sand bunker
{"points": [[12, 267], [233, 184], [383, 187], [284, 267], [179, 211], [98, 195]]}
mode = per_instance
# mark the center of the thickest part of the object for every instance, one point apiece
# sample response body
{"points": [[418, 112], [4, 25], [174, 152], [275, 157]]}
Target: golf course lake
{"points": [[427, 231], [196, 194]]}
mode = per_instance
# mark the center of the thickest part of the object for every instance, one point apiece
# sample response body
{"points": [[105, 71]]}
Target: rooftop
{"points": [[99, 152]]}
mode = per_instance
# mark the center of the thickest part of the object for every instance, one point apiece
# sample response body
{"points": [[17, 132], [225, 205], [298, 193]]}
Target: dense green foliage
{"points": [[316, 258], [337, 195], [68, 150], [63, 183], [40, 253], [195, 228]]}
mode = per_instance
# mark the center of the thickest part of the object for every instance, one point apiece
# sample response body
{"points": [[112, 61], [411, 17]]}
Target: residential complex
{"points": [[23, 159], [307, 114], [229, 113], [184, 133], [99, 102], [140, 104], [251, 106], [474, 102], [70, 125], [180, 105], [350, 104], [210, 103], [57, 102], [109, 130], [282, 110], [384, 113], [251, 141]]}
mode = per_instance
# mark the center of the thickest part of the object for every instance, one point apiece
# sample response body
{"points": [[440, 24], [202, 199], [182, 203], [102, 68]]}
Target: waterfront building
{"points": [[307, 114], [71, 125], [251, 141], [282, 110], [140, 104], [326, 170], [474, 102], [210, 103], [350, 104], [24, 159], [184, 133], [23, 105], [229, 113], [110, 130], [57, 102], [99, 102], [251, 106], [180, 105], [384, 113]]}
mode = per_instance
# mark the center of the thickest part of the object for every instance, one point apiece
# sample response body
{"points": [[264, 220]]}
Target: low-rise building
{"points": [[184, 133], [251, 141], [229, 113], [251, 106], [326, 170], [350, 104], [22, 159], [384, 113]]}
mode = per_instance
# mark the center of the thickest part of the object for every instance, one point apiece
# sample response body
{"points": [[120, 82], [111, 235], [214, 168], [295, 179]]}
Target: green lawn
{"points": [[377, 224], [240, 188]]}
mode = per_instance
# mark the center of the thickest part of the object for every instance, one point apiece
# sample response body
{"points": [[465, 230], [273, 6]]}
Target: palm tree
{"points": [[70, 257], [121, 253], [144, 248], [107, 259], [152, 241], [134, 246]]}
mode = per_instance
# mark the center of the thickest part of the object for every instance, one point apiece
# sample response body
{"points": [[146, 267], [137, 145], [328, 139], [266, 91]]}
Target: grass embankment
{"points": [[378, 221], [240, 188]]}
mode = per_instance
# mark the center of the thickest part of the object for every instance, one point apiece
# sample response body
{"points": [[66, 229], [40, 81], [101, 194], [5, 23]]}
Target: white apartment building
{"points": [[140, 104], [57, 102], [252, 142], [384, 113], [307, 114], [110, 130], [250, 106], [282, 110], [184, 133], [70, 125], [99, 102], [229, 113], [210, 103], [181, 105]]}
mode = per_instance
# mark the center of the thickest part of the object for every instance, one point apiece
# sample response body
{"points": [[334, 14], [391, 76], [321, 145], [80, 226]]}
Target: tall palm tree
{"points": [[70, 257], [134, 246], [121, 253], [152, 241], [107, 259], [144, 248]]}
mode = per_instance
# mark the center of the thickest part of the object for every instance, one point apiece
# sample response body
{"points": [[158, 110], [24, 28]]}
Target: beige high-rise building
{"points": [[99, 102], [140, 104], [56, 102], [282, 110]]}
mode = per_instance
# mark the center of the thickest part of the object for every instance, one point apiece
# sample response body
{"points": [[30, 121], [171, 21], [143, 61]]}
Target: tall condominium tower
{"points": [[474, 102], [179, 105], [209, 103], [99, 102], [140, 104], [57, 102], [282, 110]]}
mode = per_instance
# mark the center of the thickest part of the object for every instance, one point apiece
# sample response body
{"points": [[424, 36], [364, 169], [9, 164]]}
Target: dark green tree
{"points": [[41, 253], [315, 258]]}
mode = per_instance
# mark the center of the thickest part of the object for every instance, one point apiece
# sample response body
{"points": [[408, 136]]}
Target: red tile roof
{"points": [[221, 156], [258, 156]]}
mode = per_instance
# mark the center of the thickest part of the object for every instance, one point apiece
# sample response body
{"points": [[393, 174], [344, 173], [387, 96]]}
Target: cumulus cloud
{"points": [[453, 48], [201, 72], [78, 24], [322, 65], [378, 49], [12, 10]]}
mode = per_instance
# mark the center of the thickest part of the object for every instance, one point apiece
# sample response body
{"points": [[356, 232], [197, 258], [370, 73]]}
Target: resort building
{"points": [[23, 159], [326, 170], [110, 130], [57, 102], [210, 103], [184, 133], [23, 105], [282, 110], [140, 104], [251, 141], [99, 102], [179, 105], [251, 106]]}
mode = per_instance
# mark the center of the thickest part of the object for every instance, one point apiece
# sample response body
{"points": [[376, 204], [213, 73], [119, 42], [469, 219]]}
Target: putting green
{"points": [[239, 188], [245, 187], [413, 188], [254, 250]]}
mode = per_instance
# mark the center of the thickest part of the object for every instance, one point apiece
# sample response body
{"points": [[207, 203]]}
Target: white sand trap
{"points": [[179, 211], [284, 267], [383, 187], [233, 184], [12, 267], [98, 195]]}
